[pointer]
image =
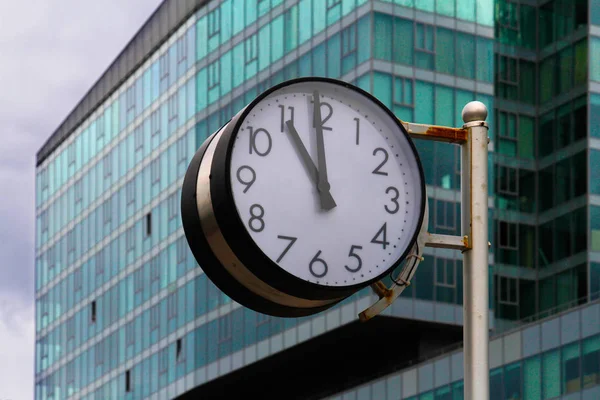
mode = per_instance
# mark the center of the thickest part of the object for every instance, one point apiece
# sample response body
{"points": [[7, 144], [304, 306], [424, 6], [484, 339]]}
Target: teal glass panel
{"points": [[465, 9], [424, 5], [383, 28], [319, 16], [226, 20], [382, 88], [201, 35], [403, 43], [238, 16], [305, 15], [347, 6], [445, 7], [594, 171], [571, 368], [424, 102], [226, 73], [591, 361], [485, 57], [445, 54], [595, 228], [465, 56], [444, 106], [485, 12], [277, 38], [594, 58], [595, 12], [364, 39], [551, 374], [594, 115], [532, 389], [405, 3], [334, 56], [201, 92], [251, 11], [291, 29], [264, 45]]}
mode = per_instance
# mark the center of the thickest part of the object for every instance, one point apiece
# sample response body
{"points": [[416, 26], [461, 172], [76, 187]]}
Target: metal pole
{"points": [[474, 190]]}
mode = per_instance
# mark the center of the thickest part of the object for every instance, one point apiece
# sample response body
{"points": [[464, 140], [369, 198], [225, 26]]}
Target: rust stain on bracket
{"points": [[437, 133]]}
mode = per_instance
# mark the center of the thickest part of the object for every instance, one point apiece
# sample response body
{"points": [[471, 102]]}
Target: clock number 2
{"points": [[253, 138], [377, 171], [382, 232], [317, 260], [257, 216], [358, 259]]}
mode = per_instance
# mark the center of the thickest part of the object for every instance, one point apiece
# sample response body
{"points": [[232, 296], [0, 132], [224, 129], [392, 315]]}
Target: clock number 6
{"points": [[353, 254], [317, 260], [257, 216], [393, 200]]}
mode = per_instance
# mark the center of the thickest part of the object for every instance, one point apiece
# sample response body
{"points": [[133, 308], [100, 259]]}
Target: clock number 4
{"points": [[314, 267], [254, 136], [358, 259], [378, 171], [382, 232]]}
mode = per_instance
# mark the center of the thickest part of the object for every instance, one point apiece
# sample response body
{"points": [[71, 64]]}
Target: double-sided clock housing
{"points": [[310, 193]]}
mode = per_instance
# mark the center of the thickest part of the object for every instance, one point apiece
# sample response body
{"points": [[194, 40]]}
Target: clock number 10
{"points": [[254, 138]]}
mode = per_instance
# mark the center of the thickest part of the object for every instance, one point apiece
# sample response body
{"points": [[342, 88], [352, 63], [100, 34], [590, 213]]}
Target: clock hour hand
{"points": [[327, 202], [308, 162]]}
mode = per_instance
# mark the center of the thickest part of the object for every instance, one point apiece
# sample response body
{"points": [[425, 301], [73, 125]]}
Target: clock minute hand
{"points": [[308, 162], [327, 202]]}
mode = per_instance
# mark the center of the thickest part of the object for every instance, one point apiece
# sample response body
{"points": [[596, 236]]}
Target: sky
{"points": [[51, 53]]}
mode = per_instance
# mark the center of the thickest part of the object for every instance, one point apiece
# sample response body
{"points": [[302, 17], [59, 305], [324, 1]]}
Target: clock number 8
{"points": [[256, 216]]}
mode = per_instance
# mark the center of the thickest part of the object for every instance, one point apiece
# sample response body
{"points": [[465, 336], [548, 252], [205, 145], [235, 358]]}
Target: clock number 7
{"points": [[383, 233], [291, 239]]}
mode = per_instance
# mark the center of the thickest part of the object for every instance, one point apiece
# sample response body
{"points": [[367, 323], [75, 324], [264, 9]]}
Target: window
{"points": [[155, 122], [507, 76], [99, 353], [138, 280], [163, 361], [138, 138], [100, 127], [179, 353], [173, 104], [130, 333], [213, 75], [148, 224], [107, 166], [130, 192], [591, 361], [78, 191], [130, 239], [130, 97], [173, 206], [251, 49], [163, 66], [93, 310], [181, 150], [44, 179], [333, 3], [44, 221], [181, 250], [445, 215], [182, 49], [225, 328], [154, 270], [507, 133], [70, 328], [70, 373], [71, 154], [77, 279], [403, 91], [508, 292], [508, 14], [70, 242], [214, 23], [128, 381], [107, 211], [507, 235], [155, 171], [99, 261], [508, 180], [51, 256], [424, 42], [154, 317], [445, 272], [172, 306]]}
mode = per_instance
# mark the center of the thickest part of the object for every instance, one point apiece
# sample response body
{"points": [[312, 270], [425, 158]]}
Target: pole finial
{"points": [[474, 111]]}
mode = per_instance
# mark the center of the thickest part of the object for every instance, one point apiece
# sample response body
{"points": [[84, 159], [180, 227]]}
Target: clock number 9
{"points": [[256, 216], [317, 260], [249, 182], [253, 137], [353, 254], [393, 200]]}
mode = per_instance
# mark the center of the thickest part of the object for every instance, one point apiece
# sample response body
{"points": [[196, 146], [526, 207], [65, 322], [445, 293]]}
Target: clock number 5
{"points": [[353, 254], [316, 260], [253, 138]]}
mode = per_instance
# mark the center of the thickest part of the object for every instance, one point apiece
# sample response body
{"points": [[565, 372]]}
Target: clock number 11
{"points": [[283, 118]]}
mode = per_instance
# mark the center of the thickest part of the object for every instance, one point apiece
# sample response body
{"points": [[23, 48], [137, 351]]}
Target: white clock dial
{"points": [[341, 217]]}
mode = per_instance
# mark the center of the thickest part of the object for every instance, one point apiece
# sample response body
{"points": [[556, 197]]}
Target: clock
{"points": [[311, 192]]}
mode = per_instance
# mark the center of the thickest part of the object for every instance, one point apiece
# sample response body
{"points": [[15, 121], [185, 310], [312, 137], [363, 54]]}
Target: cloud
{"points": [[52, 52]]}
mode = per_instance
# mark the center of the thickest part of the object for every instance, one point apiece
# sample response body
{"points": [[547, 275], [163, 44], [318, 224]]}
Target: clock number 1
{"points": [[357, 129], [382, 232], [317, 260]]}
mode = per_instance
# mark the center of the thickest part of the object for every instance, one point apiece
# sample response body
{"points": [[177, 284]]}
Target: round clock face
{"points": [[326, 183]]}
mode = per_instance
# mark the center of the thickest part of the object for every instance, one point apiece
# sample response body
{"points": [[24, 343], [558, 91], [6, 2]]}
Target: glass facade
{"points": [[122, 308]]}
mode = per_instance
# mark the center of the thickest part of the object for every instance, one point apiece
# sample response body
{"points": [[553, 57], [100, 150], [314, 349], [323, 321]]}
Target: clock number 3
{"points": [[316, 272], [358, 259], [257, 212], [394, 200]]}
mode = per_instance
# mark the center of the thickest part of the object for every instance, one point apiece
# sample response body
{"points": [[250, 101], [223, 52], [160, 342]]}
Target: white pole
{"points": [[474, 190]]}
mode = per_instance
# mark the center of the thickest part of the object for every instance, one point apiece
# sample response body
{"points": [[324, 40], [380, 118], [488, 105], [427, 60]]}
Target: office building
{"points": [[124, 312]]}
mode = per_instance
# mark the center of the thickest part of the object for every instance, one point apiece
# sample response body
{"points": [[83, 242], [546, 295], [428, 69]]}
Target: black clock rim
{"points": [[236, 234], [209, 263]]}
